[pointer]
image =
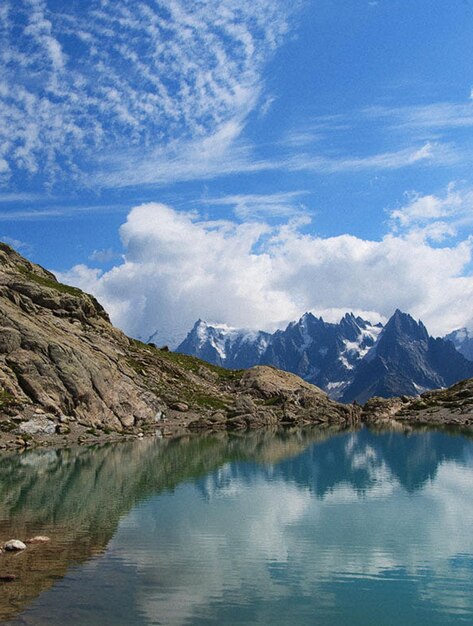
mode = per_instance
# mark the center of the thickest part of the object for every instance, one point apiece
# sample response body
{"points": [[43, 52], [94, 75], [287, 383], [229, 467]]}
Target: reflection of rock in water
{"points": [[77, 497]]}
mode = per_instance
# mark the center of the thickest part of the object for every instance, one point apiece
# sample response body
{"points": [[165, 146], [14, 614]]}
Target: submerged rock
{"points": [[38, 539], [8, 578]]}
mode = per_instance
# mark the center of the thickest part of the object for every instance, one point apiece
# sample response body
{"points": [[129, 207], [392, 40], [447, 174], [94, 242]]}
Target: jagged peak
{"points": [[401, 323], [308, 316]]}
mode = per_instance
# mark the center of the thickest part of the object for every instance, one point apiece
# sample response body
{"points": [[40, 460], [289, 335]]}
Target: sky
{"points": [[242, 161]]}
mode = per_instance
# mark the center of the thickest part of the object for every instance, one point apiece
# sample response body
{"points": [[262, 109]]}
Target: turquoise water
{"points": [[312, 527]]}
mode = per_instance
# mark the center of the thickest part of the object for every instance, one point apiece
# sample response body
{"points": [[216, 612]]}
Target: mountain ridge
{"points": [[353, 359]]}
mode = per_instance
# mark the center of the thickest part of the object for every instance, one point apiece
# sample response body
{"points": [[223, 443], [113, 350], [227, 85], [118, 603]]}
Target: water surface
{"points": [[310, 527]]}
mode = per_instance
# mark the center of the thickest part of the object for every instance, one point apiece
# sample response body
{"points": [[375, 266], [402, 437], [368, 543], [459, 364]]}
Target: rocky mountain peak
{"points": [[404, 325], [462, 339]]}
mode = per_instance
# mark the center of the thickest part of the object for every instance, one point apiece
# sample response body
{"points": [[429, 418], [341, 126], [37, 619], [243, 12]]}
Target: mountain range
{"points": [[352, 360]]}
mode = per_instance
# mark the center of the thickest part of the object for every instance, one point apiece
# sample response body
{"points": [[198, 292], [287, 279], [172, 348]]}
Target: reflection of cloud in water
{"points": [[269, 527], [357, 520]]}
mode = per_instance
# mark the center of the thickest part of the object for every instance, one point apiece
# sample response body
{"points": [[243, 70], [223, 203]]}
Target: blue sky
{"points": [[241, 161]]}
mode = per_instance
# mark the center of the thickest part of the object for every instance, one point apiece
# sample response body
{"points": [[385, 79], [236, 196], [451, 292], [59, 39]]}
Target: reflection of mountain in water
{"points": [[78, 497], [358, 459]]}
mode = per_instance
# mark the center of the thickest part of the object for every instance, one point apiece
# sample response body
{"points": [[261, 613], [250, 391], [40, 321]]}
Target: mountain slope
{"points": [[66, 371], [406, 361], [462, 339]]}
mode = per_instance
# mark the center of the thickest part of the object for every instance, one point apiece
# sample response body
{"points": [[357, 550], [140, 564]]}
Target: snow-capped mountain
{"points": [[406, 361], [222, 345], [323, 353], [462, 339], [352, 360]]}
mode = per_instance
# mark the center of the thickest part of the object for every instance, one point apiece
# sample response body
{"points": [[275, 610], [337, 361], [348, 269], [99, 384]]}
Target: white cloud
{"points": [[104, 256], [428, 153], [16, 243], [436, 216], [178, 267], [437, 115], [224, 153], [255, 206], [123, 74]]}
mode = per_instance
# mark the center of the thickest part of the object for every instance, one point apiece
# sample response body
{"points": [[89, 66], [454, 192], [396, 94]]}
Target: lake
{"points": [[297, 527]]}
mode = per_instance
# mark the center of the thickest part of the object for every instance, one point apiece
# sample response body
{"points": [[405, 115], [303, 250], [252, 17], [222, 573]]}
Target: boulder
{"points": [[14, 545], [10, 340], [37, 426]]}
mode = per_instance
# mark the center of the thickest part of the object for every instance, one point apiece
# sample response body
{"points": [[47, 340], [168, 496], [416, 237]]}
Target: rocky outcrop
{"points": [[267, 396], [442, 407], [67, 373]]}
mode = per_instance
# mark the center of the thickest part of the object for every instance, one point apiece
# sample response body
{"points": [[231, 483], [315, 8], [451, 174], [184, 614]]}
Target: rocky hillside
{"points": [[67, 373]]}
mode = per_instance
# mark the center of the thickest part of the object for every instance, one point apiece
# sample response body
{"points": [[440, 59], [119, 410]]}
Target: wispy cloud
{"points": [[435, 216], [56, 212], [120, 74], [434, 116], [225, 154], [104, 256], [16, 243], [257, 206], [435, 153], [6, 198]]}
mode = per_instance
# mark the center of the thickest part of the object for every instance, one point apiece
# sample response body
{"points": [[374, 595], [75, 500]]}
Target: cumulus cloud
{"points": [[442, 214], [178, 267]]}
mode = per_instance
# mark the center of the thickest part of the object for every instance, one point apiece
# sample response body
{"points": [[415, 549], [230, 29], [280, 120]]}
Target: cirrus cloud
{"points": [[95, 75]]}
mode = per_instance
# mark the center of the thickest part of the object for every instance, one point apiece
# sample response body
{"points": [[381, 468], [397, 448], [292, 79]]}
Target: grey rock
{"points": [[180, 406], [14, 545], [37, 426], [10, 340]]}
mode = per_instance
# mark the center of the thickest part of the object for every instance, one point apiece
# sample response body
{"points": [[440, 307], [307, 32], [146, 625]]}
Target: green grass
{"points": [[273, 401], [6, 399], [135, 365], [193, 364], [205, 401], [48, 282]]}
